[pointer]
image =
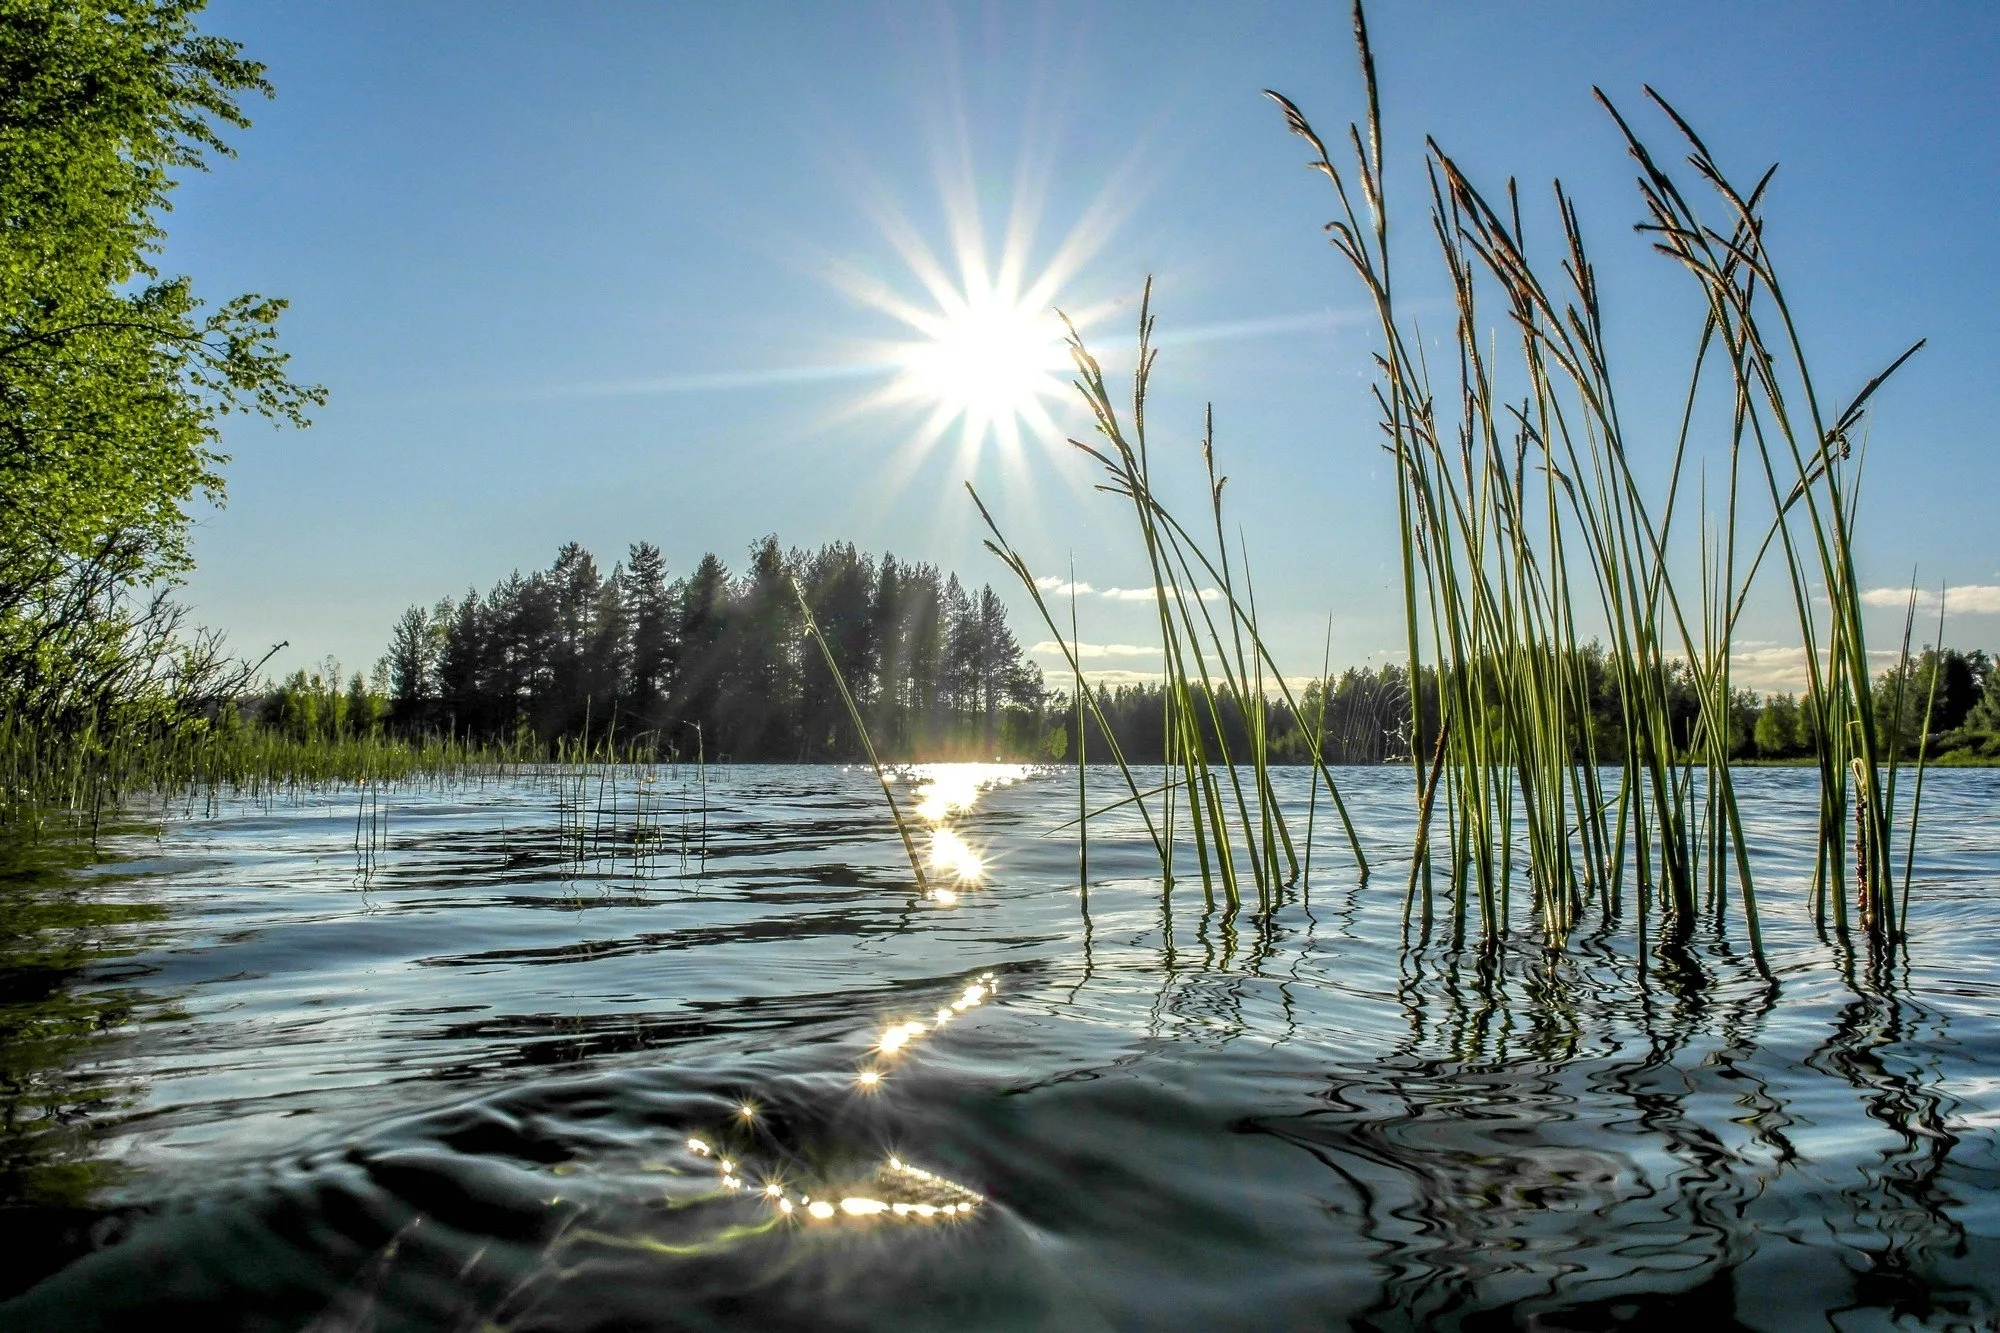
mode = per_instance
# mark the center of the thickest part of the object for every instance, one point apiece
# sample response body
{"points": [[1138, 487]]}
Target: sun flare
{"points": [[991, 362], [982, 354]]}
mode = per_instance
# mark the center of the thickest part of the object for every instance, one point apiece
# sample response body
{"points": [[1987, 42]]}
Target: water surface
{"points": [[550, 1053]]}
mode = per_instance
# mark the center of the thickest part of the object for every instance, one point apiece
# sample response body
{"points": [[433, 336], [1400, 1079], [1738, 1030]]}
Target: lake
{"points": [[682, 1050]]}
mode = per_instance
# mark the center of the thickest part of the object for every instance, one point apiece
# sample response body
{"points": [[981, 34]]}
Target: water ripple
{"points": [[440, 1058]]}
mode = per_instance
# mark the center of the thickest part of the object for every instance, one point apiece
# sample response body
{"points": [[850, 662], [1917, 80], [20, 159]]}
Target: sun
{"points": [[983, 354], [991, 363], [988, 358]]}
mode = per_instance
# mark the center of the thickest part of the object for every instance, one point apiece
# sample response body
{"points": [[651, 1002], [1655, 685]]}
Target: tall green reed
{"points": [[1522, 521], [1215, 660]]}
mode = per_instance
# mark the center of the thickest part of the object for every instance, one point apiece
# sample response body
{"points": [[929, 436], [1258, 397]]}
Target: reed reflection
{"points": [[1901, 1199], [1490, 1165]]}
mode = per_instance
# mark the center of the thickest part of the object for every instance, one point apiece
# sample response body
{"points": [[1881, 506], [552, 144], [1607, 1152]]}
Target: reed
{"points": [[1077, 688], [71, 778], [1923, 755], [1522, 521], [1526, 534], [1215, 658], [861, 730]]}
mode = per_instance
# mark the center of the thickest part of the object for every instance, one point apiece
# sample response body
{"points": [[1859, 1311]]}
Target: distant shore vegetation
{"points": [[709, 664], [641, 664]]}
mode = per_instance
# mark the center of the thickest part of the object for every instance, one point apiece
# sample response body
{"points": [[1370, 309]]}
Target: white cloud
{"points": [[1973, 599], [1086, 651], [1114, 676], [1090, 652], [1967, 599], [1059, 586], [1769, 669], [1783, 670], [1146, 594]]}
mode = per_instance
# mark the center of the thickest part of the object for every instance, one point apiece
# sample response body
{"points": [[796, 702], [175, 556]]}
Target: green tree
{"points": [[655, 647], [606, 663], [573, 588], [759, 701], [1777, 733], [364, 709], [1983, 719], [702, 633], [298, 706], [839, 584], [410, 666], [1907, 695], [114, 378]]}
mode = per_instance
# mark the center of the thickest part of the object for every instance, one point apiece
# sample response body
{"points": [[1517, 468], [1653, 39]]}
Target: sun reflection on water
{"points": [[954, 855], [898, 1191], [943, 794], [945, 790], [940, 799]]}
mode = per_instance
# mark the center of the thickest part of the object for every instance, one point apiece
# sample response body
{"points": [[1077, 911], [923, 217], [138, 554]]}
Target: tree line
{"points": [[717, 663], [1362, 715]]}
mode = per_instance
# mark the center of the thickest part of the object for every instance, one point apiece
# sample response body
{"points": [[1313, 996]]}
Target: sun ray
{"points": [[986, 353]]}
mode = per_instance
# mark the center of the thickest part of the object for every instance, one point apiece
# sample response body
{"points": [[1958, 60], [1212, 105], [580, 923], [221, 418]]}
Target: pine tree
{"points": [[606, 660], [573, 585], [704, 626], [461, 681], [958, 675], [759, 699], [410, 670], [649, 610], [838, 582]]}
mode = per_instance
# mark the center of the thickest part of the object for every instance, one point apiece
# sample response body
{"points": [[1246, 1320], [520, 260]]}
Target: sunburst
{"points": [[986, 360], [990, 360]]}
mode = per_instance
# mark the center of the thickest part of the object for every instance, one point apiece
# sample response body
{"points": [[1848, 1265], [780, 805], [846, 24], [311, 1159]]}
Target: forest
{"points": [[1364, 715], [709, 663], [718, 664]]}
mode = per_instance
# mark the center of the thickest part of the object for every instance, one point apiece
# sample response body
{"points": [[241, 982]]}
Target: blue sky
{"points": [[602, 271]]}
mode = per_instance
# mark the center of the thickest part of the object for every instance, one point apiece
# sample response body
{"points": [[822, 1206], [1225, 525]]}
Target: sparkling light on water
{"points": [[953, 855]]}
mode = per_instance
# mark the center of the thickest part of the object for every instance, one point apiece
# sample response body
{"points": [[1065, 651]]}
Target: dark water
{"points": [[434, 1059]]}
